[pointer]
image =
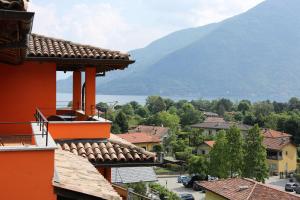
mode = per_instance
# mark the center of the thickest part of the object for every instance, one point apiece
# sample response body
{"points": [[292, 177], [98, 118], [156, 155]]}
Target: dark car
{"points": [[290, 187], [297, 189], [190, 182], [186, 196]]}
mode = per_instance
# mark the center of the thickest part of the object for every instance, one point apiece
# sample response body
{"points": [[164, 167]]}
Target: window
{"points": [[203, 151], [209, 132], [286, 153], [144, 148]]}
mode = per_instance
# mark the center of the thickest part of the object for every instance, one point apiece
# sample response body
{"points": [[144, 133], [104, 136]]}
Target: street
{"points": [[172, 185]]}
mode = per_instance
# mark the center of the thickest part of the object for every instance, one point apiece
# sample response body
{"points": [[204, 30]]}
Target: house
{"points": [[212, 125], [281, 152], [140, 139], [242, 189], [49, 153], [210, 114], [157, 131], [205, 147]]}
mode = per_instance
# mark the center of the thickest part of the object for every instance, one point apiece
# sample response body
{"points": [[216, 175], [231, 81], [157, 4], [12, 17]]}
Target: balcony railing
{"points": [[20, 133]]}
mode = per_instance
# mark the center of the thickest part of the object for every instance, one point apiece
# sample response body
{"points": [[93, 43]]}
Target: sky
{"points": [[127, 24]]}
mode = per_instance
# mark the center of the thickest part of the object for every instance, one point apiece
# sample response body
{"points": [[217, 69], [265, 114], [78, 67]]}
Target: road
{"points": [[172, 185]]}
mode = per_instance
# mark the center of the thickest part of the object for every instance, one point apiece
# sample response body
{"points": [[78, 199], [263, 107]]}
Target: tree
{"points": [[189, 115], [155, 104], [166, 119], [223, 105], [142, 111], [255, 165], [244, 106], [157, 148], [234, 150], [218, 165], [197, 165], [294, 104], [122, 121], [128, 109]]}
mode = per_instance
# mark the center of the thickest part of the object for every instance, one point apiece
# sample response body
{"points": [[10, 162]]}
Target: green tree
{"points": [[122, 121], [157, 148], [244, 106], [234, 151], [166, 119], [128, 109], [140, 188], [189, 115], [218, 165], [155, 104], [142, 111], [255, 165], [197, 165]]}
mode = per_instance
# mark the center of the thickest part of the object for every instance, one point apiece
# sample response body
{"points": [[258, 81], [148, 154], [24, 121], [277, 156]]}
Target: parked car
{"points": [[186, 196], [190, 182], [297, 189], [290, 187], [180, 179]]}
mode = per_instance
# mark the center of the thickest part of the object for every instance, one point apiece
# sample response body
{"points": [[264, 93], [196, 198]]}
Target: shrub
{"points": [[163, 192]]}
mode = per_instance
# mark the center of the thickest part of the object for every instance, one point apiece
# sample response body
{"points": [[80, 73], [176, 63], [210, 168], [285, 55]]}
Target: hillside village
{"points": [[165, 149]]}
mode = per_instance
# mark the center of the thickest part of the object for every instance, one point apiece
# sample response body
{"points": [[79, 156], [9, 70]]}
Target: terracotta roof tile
{"points": [[210, 143], [42, 46], [214, 119], [139, 137], [242, 189], [19, 5], [275, 140], [221, 125], [100, 151], [77, 174], [151, 130]]}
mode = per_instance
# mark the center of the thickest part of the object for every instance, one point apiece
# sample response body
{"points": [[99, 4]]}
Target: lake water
{"points": [[64, 98]]}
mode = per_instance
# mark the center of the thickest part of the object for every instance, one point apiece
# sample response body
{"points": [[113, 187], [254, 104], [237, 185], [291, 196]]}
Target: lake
{"points": [[64, 98]]}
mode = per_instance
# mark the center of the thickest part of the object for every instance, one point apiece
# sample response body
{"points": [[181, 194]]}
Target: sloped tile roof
{"points": [[210, 143], [114, 150], [133, 174], [275, 140], [18, 5], [214, 119], [221, 125], [152, 130], [77, 174], [245, 189], [139, 137], [274, 134], [71, 54]]}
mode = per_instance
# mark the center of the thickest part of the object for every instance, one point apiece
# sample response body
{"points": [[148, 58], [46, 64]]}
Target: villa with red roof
{"points": [[140, 139]]}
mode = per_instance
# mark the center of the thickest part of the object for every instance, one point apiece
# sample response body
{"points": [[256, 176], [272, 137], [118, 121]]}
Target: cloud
{"points": [[130, 24]]}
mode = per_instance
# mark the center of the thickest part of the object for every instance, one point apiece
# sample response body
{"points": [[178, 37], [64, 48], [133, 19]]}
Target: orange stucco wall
{"points": [[23, 88], [80, 130], [76, 90], [90, 90], [27, 175]]}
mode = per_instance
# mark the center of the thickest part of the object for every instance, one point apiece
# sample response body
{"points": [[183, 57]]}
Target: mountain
{"points": [[253, 55]]}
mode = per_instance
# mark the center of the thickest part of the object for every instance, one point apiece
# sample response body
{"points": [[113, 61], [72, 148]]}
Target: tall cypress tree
{"points": [[255, 165], [218, 162], [235, 152]]}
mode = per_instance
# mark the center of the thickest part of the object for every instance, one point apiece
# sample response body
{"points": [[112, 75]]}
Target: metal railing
{"points": [[42, 123]]}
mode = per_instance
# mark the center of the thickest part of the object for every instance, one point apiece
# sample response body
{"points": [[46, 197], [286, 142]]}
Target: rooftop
{"points": [[241, 189], [139, 137], [133, 174], [159, 131], [221, 125], [71, 56], [275, 140], [74, 173], [210, 143], [112, 152]]}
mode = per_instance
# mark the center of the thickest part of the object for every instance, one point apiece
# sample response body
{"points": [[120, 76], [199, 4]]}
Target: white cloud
{"points": [[129, 24]]}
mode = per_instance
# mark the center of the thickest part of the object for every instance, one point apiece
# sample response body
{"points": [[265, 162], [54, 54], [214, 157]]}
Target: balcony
{"points": [[74, 124], [274, 155]]}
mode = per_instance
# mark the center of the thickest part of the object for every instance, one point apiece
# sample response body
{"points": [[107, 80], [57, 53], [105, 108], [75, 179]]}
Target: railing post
{"points": [[47, 133]]}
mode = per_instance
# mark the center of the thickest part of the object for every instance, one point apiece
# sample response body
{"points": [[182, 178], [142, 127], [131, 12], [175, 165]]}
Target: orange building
{"points": [[49, 153]]}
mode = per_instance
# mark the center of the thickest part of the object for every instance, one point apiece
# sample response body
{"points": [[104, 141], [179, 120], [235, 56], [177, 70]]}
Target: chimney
{"points": [[243, 187]]}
